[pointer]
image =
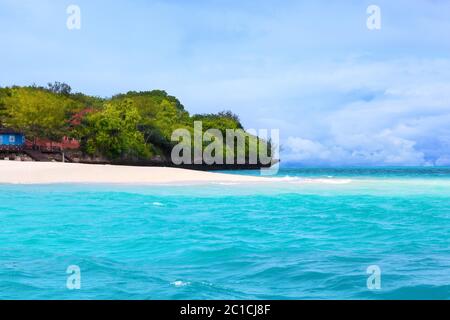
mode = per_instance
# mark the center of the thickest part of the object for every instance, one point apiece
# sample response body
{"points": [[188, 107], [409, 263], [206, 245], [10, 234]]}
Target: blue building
{"points": [[11, 140]]}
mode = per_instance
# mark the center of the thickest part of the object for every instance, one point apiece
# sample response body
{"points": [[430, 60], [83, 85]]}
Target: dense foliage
{"points": [[113, 132], [135, 125], [37, 112]]}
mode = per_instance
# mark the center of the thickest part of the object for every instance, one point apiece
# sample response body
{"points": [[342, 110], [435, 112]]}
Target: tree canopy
{"points": [[37, 112], [135, 125], [113, 132]]}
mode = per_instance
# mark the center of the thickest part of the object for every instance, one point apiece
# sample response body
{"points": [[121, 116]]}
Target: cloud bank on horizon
{"points": [[340, 94]]}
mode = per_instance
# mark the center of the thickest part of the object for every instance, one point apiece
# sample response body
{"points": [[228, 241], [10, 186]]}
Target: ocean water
{"points": [[308, 234]]}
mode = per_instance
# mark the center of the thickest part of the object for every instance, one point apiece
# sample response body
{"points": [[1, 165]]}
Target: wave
{"points": [[300, 180], [180, 283], [226, 183], [158, 204]]}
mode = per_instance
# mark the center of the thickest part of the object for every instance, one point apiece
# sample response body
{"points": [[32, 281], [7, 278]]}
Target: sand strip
{"points": [[16, 172]]}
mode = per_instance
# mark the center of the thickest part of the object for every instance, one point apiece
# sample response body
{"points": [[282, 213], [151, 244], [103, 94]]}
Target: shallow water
{"points": [[311, 233]]}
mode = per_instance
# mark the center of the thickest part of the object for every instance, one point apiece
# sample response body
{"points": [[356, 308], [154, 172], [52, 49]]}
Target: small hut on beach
{"points": [[11, 140]]}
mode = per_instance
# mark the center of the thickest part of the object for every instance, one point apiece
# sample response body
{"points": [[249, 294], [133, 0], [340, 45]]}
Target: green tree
{"points": [[4, 93], [160, 114], [37, 113], [132, 125], [60, 88], [113, 132]]}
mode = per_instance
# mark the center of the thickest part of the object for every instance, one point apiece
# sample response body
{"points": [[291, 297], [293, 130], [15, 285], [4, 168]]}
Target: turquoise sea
{"points": [[309, 234]]}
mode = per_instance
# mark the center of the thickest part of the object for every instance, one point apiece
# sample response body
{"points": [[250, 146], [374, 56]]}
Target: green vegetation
{"points": [[160, 114], [113, 132], [135, 125], [37, 112]]}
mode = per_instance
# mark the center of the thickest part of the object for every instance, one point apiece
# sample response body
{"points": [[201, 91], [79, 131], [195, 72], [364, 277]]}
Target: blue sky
{"points": [[339, 93]]}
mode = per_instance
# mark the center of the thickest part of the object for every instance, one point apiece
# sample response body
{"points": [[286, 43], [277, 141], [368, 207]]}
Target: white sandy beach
{"points": [[16, 172]]}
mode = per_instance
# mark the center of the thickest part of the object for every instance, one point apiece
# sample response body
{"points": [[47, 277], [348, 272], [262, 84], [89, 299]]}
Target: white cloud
{"points": [[405, 122], [381, 149], [443, 161], [304, 149]]}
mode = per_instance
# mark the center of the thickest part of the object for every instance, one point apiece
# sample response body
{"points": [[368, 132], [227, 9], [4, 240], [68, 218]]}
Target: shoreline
{"points": [[15, 172]]}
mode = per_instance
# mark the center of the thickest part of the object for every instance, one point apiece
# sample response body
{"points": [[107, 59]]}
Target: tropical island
{"points": [[54, 124]]}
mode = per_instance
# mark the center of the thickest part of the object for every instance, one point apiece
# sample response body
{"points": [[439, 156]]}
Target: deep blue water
{"points": [[309, 235]]}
